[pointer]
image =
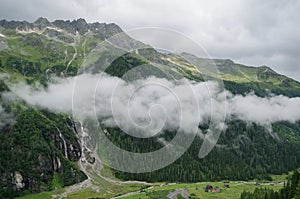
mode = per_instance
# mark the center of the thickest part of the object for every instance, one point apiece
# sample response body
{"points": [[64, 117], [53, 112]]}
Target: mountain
{"points": [[261, 79], [40, 148]]}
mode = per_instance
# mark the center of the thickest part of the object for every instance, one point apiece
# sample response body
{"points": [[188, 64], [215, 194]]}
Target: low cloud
{"points": [[57, 97], [264, 110], [144, 107]]}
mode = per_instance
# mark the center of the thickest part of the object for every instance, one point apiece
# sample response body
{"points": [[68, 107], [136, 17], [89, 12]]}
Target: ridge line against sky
{"points": [[250, 32]]}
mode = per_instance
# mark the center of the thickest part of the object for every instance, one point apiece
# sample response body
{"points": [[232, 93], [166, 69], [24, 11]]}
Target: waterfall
{"points": [[92, 169], [83, 137], [64, 141], [86, 153], [82, 144]]}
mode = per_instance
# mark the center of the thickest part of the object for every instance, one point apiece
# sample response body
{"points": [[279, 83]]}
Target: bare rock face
{"points": [[101, 30], [3, 43], [42, 23], [38, 154], [56, 163], [18, 181], [20, 25], [89, 156]]}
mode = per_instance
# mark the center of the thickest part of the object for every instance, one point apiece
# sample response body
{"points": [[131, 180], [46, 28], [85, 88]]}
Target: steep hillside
{"points": [[241, 79], [40, 148]]}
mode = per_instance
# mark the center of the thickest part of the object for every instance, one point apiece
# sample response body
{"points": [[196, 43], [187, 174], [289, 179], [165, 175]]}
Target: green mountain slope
{"points": [[241, 79], [41, 147]]}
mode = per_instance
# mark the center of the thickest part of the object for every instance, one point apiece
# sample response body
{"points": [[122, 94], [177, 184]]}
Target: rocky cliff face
{"points": [[80, 25], [38, 152]]}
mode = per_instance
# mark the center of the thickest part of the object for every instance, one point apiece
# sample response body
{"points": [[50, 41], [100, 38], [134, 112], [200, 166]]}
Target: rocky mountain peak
{"points": [[103, 30], [81, 21], [80, 25], [41, 22], [21, 25]]}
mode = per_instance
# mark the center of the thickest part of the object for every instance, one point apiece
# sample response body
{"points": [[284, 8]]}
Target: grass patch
{"points": [[197, 189]]}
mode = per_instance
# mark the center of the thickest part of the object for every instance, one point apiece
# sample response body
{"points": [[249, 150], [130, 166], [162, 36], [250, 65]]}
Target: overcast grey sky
{"points": [[251, 32]]}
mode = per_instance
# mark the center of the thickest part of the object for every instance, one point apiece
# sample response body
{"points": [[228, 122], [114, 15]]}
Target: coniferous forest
{"points": [[291, 190]]}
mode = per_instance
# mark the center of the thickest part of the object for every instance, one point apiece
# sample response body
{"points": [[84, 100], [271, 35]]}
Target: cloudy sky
{"points": [[251, 32]]}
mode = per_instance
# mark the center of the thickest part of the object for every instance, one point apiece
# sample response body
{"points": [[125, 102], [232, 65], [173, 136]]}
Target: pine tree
{"points": [[294, 183], [297, 193]]}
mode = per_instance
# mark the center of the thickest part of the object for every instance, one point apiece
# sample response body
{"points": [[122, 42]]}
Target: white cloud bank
{"points": [[264, 110], [144, 107]]}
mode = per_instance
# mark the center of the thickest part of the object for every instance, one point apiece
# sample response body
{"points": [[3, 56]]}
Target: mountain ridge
{"points": [[79, 25], [229, 69], [38, 52]]}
